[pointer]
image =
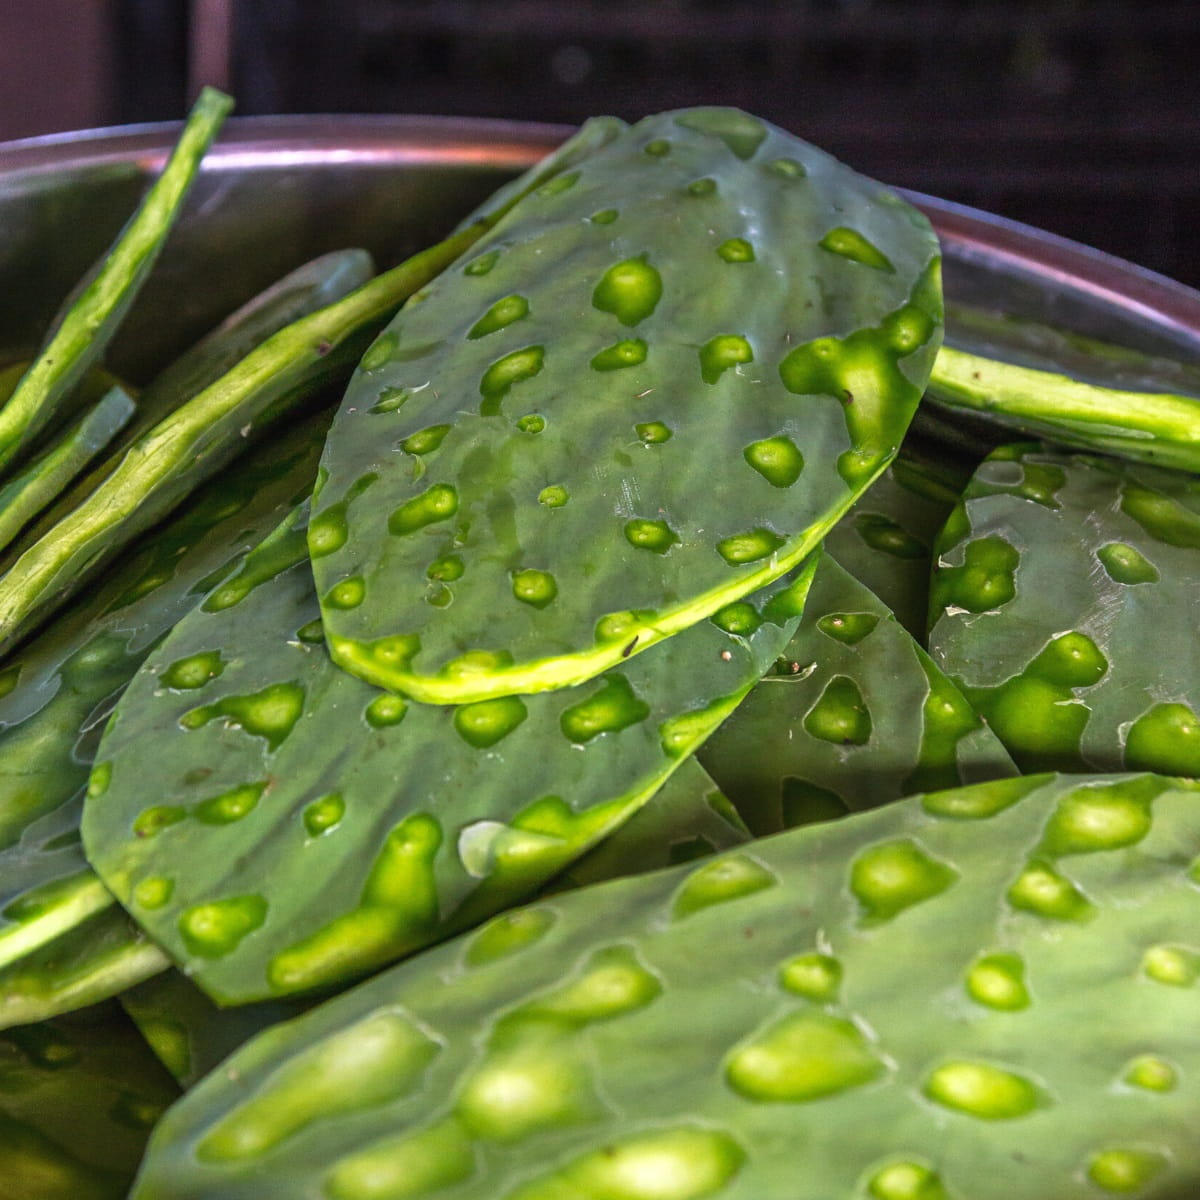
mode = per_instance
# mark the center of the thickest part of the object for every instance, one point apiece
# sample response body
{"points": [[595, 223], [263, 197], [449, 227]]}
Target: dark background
{"points": [[1081, 116]]}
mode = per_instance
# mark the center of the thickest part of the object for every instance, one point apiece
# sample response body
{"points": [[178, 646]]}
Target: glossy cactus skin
{"points": [[59, 689], [650, 390], [1060, 584], [854, 715], [917, 995], [87, 321], [405, 821], [1045, 382], [77, 1100], [886, 539]]}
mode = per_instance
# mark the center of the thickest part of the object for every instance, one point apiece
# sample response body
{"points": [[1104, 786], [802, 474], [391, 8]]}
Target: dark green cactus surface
{"points": [[304, 827], [78, 1098], [59, 689], [651, 389], [1065, 598], [855, 714], [886, 539], [912, 1002]]}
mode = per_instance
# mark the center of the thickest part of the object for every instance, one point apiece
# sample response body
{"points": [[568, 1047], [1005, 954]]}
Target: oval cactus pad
{"points": [[651, 390], [1064, 600], [304, 827], [990, 992]]}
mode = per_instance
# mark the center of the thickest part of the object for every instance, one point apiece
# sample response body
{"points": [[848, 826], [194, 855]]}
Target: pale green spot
{"points": [[509, 933], [487, 722], [1176, 966], [217, 929], [849, 243], [749, 547], [906, 1180], [998, 981], [606, 216], [980, 1089], [736, 250], [230, 806], [1125, 564], [499, 379], [385, 711], [847, 627], [153, 892], [483, 264], [804, 1057], [324, 814], [1041, 890], [99, 779], [720, 353], [535, 588], [702, 187], [630, 290], [740, 618], [614, 706], [892, 876], [814, 976], [347, 594], [554, 496], [531, 423], [630, 352], [1101, 817], [501, 314], [839, 715], [152, 821], [1126, 1170], [379, 351], [425, 441], [1151, 1073], [777, 459], [653, 433], [437, 503], [328, 531], [404, 1166], [730, 878], [194, 671], [646, 534]]}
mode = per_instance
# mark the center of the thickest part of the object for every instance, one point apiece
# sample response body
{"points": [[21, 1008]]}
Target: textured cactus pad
{"points": [[886, 539], [78, 1098], [855, 714], [918, 1001], [652, 388], [278, 825], [1061, 584]]}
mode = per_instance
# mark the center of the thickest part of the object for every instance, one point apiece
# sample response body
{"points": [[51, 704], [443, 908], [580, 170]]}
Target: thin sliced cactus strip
{"points": [[305, 828], [1061, 583], [886, 539], [97, 958], [45, 479], [854, 715], [687, 818], [60, 689], [82, 330], [78, 1098], [651, 389], [914, 1001], [302, 291]]}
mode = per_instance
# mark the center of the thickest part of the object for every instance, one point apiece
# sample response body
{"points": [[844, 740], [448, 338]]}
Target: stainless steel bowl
{"points": [[278, 190]]}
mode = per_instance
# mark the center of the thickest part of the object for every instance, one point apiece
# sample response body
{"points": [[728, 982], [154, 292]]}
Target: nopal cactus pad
{"points": [[878, 1007], [1058, 585], [853, 715], [615, 427], [305, 827]]}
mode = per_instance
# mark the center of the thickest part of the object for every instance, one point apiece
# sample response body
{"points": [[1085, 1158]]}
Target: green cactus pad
{"points": [[1059, 584], [63, 684], [855, 714], [860, 1009], [78, 1098], [650, 416], [403, 821], [886, 539]]}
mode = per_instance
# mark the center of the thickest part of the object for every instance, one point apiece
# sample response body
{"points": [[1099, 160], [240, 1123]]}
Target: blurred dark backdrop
{"points": [[1081, 116]]}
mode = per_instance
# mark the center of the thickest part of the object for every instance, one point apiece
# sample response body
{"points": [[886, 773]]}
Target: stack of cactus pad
{"points": [[404, 787]]}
